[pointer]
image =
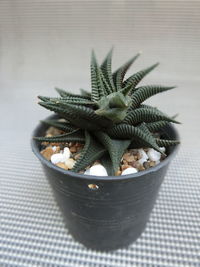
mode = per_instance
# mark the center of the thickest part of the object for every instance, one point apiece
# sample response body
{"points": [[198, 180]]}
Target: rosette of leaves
{"points": [[111, 118]]}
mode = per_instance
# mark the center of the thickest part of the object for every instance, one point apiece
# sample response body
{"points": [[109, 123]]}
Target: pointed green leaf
{"points": [[96, 82], [80, 116], [74, 136], [91, 152], [77, 101], [104, 84], [85, 93], [144, 92], [107, 163], [115, 147], [126, 90], [107, 72], [44, 98], [62, 92], [65, 94], [150, 136], [64, 126], [119, 74], [146, 115], [87, 114], [124, 131], [133, 80], [156, 126], [166, 143]]}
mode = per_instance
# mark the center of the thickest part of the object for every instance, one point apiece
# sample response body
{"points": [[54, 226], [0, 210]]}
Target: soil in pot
{"points": [[64, 155]]}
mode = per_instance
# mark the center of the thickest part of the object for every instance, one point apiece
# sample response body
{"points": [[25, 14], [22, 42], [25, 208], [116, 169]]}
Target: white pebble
{"points": [[66, 153], [70, 163], [153, 154], [143, 156], [56, 158], [129, 171], [163, 149], [97, 170], [87, 172], [54, 148]]}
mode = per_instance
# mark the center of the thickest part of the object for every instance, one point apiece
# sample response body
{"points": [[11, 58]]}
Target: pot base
{"points": [[122, 239]]}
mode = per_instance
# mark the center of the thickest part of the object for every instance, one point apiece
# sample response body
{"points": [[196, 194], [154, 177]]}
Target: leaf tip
{"points": [[156, 64]]}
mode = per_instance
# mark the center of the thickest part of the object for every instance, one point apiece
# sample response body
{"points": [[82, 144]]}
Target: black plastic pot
{"points": [[105, 213]]}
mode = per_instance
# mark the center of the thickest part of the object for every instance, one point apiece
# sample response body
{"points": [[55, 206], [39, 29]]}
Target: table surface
{"points": [[47, 43]]}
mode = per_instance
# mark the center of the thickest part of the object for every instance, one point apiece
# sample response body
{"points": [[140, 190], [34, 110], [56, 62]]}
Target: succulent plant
{"points": [[111, 118]]}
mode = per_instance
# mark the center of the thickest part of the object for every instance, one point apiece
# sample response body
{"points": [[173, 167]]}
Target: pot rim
{"points": [[36, 151]]}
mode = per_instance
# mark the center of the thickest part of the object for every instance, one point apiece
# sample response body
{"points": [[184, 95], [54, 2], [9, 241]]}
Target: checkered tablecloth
{"points": [[33, 232]]}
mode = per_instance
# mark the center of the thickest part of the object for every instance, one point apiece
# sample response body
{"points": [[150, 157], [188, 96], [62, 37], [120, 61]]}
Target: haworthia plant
{"points": [[111, 118]]}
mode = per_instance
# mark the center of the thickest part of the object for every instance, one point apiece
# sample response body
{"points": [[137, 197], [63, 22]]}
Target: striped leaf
{"points": [[74, 136], [107, 163], [114, 147], [88, 114], [96, 80], [107, 71], [138, 76], [68, 99], [77, 101], [144, 92], [124, 131], [156, 126], [146, 115], [91, 152], [119, 74], [64, 126], [44, 98], [80, 116], [154, 144], [105, 85], [64, 93], [166, 143]]}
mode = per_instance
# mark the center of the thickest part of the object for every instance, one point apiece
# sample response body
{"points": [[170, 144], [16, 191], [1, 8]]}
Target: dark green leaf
{"points": [[119, 74], [64, 126], [144, 92], [156, 126], [62, 92], [138, 76], [85, 93], [96, 82], [124, 131], [104, 84], [74, 136], [91, 152], [44, 98], [77, 101], [114, 147], [80, 116], [107, 72], [88, 114], [165, 142], [107, 163], [146, 115]]}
